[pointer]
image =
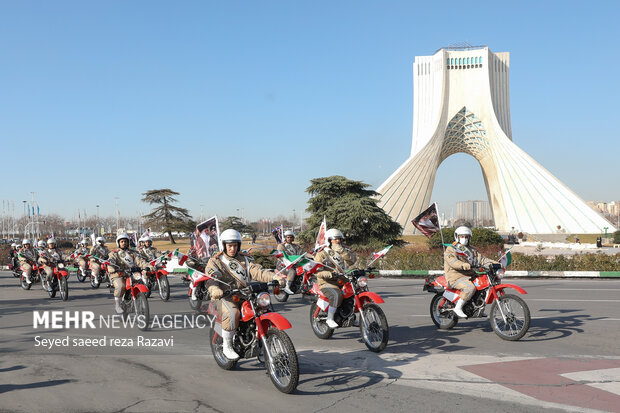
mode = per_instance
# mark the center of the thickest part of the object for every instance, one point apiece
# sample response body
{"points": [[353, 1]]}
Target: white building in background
{"points": [[462, 104], [478, 213]]}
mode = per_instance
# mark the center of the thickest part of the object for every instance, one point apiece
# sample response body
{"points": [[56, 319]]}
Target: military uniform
{"points": [[81, 253], [123, 260], [289, 249], [150, 253], [458, 261], [236, 272], [339, 258], [49, 258], [27, 258], [100, 251]]}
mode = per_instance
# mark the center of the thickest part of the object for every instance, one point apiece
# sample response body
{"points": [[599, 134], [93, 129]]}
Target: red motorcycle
{"points": [[356, 299], [509, 314], [197, 281], [159, 277], [260, 334], [83, 274], [35, 276], [104, 275], [134, 300], [302, 284], [59, 281]]}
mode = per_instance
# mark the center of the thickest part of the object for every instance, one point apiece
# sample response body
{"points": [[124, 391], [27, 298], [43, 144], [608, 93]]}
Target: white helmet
{"points": [[25, 241], [100, 239], [120, 237], [84, 242], [41, 244], [51, 241], [230, 235], [147, 238], [462, 231], [289, 233], [13, 245], [333, 233]]}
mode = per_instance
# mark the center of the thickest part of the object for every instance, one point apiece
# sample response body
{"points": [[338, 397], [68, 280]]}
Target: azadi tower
{"points": [[461, 104]]}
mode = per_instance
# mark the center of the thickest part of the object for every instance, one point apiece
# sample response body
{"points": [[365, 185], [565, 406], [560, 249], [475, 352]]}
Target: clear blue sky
{"points": [[240, 104]]}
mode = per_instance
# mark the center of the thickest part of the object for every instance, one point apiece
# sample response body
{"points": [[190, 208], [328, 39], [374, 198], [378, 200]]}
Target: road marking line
{"points": [[584, 289], [573, 300]]}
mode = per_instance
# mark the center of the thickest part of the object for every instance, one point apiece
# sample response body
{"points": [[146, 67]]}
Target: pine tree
{"points": [[351, 207], [165, 216]]}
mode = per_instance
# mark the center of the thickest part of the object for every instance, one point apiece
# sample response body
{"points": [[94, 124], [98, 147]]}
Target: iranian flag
{"points": [[195, 274], [180, 256], [300, 261], [506, 259], [276, 253], [380, 254]]}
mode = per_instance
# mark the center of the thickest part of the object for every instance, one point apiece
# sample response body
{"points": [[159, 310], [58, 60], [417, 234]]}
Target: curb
{"points": [[556, 274]]}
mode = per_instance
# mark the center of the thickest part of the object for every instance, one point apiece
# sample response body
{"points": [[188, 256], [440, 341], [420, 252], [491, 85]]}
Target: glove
{"points": [[215, 292], [336, 275], [466, 266], [280, 279]]}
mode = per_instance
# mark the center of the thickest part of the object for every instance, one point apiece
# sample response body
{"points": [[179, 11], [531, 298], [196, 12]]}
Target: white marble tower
{"points": [[462, 104]]}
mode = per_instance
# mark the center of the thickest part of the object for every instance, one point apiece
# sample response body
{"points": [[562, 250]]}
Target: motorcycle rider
{"points": [[98, 250], [231, 269], [148, 250], [459, 259], [81, 252], [336, 256], [49, 258], [13, 256], [123, 261], [290, 248], [27, 259]]}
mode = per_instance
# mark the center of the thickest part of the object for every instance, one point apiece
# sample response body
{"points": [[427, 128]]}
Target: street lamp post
{"points": [[117, 214]]}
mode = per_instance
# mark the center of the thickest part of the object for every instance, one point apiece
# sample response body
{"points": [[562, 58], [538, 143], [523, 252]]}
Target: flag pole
{"points": [[440, 231]]}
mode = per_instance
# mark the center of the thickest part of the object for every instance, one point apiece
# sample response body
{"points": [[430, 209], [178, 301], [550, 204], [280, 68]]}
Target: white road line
{"points": [[571, 300], [583, 289]]}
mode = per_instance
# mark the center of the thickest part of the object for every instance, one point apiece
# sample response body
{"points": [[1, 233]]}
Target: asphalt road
{"points": [[568, 361]]}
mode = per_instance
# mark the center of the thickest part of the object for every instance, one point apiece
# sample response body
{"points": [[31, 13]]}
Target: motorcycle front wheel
{"points": [[81, 276], [53, 287], [517, 317], [164, 287], [64, 288], [94, 281], [376, 332], [318, 324], [142, 310], [24, 284], [441, 315], [283, 366], [218, 352]]}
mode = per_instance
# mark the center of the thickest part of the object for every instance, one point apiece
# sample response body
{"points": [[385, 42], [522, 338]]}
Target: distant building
{"points": [[478, 213]]}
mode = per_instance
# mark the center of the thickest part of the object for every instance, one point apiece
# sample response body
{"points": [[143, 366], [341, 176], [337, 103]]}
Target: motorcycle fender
{"points": [[139, 288], [159, 273], [275, 319], [516, 287], [63, 273], [369, 295]]}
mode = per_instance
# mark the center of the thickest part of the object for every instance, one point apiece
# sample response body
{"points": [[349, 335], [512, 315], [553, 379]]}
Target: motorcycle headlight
{"points": [[61, 265], [362, 281], [500, 274], [263, 300]]}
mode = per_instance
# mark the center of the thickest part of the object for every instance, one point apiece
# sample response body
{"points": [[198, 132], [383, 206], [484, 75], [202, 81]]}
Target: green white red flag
{"points": [[380, 254]]}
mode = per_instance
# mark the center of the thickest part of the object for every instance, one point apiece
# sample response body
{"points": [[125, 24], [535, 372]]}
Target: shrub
{"points": [[481, 237], [617, 237]]}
